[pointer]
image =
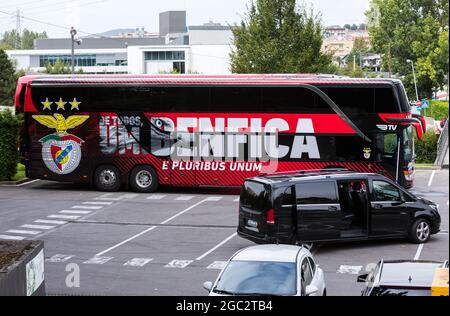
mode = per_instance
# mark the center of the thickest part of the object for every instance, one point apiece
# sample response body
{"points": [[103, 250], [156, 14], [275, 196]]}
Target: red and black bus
{"points": [[195, 130]]}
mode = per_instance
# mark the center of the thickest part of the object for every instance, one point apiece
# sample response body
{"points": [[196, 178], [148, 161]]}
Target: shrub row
{"points": [[9, 141]]}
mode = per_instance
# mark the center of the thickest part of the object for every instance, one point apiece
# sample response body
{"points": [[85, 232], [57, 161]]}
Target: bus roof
{"points": [[234, 79]]}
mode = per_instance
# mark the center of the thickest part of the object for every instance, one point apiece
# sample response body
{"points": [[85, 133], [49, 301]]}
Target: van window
{"points": [[255, 196], [383, 191], [316, 193]]}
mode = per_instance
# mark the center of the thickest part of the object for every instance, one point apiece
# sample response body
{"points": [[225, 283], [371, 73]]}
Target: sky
{"points": [[96, 16]]}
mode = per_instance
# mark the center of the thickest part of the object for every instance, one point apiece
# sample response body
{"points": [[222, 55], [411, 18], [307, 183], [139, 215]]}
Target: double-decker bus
{"points": [[194, 130]]}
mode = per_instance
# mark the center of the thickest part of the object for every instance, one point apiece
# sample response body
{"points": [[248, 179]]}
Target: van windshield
{"points": [[255, 196]]}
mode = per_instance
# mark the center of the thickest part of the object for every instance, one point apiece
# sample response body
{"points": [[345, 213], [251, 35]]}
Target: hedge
{"points": [[9, 140], [426, 148], [439, 109]]}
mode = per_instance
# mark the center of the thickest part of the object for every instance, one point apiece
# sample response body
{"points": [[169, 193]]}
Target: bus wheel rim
{"points": [[423, 231], [107, 177], [144, 179]]}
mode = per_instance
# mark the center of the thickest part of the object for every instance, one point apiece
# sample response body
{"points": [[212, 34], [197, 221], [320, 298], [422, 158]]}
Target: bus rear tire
{"points": [[144, 179], [107, 178]]}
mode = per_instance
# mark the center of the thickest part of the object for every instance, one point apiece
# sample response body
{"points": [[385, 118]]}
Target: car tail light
{"points": [[270, 218]]}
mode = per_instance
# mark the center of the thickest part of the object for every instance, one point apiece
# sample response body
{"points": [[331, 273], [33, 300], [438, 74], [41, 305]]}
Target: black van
{"points": [[304, 207]]}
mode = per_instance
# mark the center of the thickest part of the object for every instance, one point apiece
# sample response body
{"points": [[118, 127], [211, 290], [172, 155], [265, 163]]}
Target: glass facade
{"points": [[80, 60], [164, 55]]}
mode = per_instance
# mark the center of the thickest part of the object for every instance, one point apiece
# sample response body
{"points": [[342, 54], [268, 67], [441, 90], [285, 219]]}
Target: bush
{"points": [[426, 148], [439, 109], [9, 140]]}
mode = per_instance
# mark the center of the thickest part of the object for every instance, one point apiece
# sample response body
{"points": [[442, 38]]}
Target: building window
{"points": [[80, 60], [178, 66], [164, 55]]}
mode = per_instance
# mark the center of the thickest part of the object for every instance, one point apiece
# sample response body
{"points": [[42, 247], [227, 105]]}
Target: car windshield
{"points": [[258, 278]]}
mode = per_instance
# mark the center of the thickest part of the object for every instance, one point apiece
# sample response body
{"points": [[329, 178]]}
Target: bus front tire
{"points": [[144, 179], [107, 178]]}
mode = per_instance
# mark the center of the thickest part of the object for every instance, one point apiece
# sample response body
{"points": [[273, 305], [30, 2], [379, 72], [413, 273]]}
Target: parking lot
{"points": [[170, 242]]}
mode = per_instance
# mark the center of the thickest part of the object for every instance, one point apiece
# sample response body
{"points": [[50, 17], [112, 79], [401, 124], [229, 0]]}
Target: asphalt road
{"points": [[170, 242]]}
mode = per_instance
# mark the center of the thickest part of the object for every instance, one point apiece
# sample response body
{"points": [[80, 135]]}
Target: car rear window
{"points": [[316, 193], [255, 196]]}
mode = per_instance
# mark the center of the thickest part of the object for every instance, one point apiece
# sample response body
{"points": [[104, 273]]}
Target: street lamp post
{"points": [[414, 75], [73, 32]]}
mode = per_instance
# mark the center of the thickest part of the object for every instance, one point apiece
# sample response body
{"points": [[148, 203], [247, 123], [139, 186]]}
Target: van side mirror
{"points": [[208, 286], [311, 289], [362, 277]]}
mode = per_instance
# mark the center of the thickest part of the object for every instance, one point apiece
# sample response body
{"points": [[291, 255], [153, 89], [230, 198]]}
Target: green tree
{"points": [[58, 67], [10, 40], [277, 37], [360, 48], [347, 26], [354, 27], [8, 80], [416, 30], [362, 26]]}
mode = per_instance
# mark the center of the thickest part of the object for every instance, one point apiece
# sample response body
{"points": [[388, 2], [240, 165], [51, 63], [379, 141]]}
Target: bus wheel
{"points": [[144, 179], [107, 178]]}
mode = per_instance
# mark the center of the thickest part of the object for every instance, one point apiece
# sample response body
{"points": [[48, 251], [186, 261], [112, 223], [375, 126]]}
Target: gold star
{"points": [[46, 104], [74, 104], [61, 104]]}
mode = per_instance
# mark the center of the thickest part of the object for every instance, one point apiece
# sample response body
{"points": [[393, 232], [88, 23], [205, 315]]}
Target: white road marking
{"points": [[214, 198], [49, 221], [28, 182], [418, 252], [84, 207], [74, 212], [25, 232], [64, 216], [8, 237], [431, 178], [156, 196], [138, 262], [38, 226], [111, 197], [97, 203], [216, 246], [98, 260], [344, 269], [151, 228], [219, 265], [59, 258], [179, 264], [185, 198], [236, 200]]}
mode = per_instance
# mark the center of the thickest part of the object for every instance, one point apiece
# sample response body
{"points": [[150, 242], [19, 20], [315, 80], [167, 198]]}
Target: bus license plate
{"points": [[252, 223]]}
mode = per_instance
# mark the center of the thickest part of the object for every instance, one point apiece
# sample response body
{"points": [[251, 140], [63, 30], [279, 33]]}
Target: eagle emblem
{"points": [[61, 151]]}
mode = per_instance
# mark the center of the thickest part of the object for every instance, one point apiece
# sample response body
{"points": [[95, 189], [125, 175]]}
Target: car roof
{"points": [[307, 175], [271, 253], [408, 273]]}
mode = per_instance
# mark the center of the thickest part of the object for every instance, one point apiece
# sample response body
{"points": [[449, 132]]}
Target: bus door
{"points": [[387, 146]]}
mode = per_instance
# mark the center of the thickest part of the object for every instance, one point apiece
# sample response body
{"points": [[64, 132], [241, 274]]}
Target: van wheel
{"points": [[144, 179], [420, 231], [107, 178]]}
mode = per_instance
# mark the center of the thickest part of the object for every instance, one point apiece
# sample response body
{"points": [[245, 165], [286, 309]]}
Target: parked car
{"points": [[324, 206], [402, 278], [284, 270]]}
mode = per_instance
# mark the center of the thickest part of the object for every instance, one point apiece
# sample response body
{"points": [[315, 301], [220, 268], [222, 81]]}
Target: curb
{"points": [[15, 182], [428, 167]]}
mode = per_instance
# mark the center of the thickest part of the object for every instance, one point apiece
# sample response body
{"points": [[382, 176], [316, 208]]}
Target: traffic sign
{"points": [[418, 103], [425, 104], [419, 108]]}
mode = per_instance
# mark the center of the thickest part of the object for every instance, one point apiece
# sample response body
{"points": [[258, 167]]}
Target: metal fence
{"points": [[442, 146]]}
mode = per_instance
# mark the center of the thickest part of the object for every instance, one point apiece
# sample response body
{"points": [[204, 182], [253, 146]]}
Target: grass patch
{"points": [[424, 164], [20, 174]]}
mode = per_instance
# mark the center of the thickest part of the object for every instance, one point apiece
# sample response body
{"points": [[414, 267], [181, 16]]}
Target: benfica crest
{"points": [[61, 151]]}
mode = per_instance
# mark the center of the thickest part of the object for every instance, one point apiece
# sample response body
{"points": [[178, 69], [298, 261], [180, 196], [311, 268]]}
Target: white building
{"points": [[201, 49]]}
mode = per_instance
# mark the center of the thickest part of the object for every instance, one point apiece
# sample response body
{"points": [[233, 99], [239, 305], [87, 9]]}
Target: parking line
{"points": [[8, 237], [26, 232], [84, 207], [236, 200], [156, 196], [431, 178], [28, 182], [64, 216], [98, 203], [150, 228], [38, 226], [216, 246], [74, 212], [49, 221], [184, 198], [418, 252]]}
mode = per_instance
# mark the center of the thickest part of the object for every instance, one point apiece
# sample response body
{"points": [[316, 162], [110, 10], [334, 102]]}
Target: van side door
{"points": [[318, 211]]}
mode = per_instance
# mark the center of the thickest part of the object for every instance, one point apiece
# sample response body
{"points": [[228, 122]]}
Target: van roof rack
{"points": [[308, 171]]}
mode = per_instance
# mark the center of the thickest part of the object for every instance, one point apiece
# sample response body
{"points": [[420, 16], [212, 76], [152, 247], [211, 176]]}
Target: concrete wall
{"points": [[210, 59], [210, 37]]}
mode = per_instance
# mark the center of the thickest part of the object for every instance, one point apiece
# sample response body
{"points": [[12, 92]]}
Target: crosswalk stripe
{"points": [[84, 207], [38, 226], [26, 232], [97, 203], [8, 237], [214, 198], [49, 221], [74, 212], [184, 198], [156, 196], [64, 216]]}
